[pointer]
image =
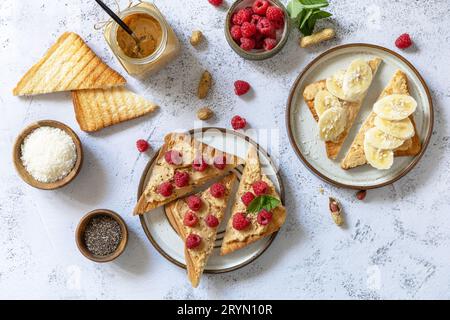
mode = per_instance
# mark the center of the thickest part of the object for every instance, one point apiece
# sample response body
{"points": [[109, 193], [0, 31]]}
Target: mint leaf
{"points": [[263, 202], [294, 8], [314, 4], [305, 13]]}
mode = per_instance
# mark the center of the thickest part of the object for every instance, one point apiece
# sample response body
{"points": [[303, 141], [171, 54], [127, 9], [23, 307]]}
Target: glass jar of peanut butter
{"points": [[157, 45]]}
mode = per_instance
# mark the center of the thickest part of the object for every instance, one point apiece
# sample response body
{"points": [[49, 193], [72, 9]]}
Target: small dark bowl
{"points": [[79, 235], [256, 54]]}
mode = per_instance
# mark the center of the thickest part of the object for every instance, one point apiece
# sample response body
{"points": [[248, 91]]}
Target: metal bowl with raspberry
{"points": [[257, 29]]}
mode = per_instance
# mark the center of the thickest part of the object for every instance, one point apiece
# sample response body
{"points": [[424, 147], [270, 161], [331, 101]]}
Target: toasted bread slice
{"points": [[355, 156], [196, 259], [162, 171], [333, 148], [96, 109], [235, 239], [68, 65]]}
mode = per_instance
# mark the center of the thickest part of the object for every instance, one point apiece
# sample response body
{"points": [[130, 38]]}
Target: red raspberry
{"points": [[220, 162], [211, 221], [269, 44], [193, 240], [190, 219], [240, 221], [260, 187], [215, 3], [242, 16], [241, 87], [247, 44], [199, 164], [236, 33], [142, 145], [255, 19], [404, 41], [173, 157], [274, 13], [278, 24], [248, 29], [217, 190], [194, 203], [165, 189], [265, 27], [264, 217], [181, 179], [260, 7], [247, 198], [238, 122]]}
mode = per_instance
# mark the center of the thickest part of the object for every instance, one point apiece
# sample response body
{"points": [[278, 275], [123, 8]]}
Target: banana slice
{"points": [[378, 139], [402, 129], [395, 107], [325, 100], [334, 84], [357, 80], [378, 158], [332, 123]]}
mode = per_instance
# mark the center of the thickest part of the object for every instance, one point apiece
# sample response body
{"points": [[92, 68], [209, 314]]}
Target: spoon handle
{"points": [[115, 17]]}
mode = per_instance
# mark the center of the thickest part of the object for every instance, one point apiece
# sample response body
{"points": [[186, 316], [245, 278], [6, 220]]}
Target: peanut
{"points": [[204, 85], [204, 113], [196, 37], [318, 37]]}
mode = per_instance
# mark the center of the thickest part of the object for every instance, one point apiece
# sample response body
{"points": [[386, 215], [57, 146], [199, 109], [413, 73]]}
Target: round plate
{"points": [[303, 131], [163, 236]]}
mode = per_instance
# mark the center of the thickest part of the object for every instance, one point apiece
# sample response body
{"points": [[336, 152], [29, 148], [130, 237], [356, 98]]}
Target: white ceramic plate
{"points": [[303, 130], [164, 238]]}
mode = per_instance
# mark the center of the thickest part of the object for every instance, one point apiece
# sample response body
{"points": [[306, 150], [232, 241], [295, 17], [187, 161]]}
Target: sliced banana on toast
{"points": [[356, 80], [402, 129], [395, 107], [381, 140], [378, 158], [324, 100], [334, 84], [332, 123]]}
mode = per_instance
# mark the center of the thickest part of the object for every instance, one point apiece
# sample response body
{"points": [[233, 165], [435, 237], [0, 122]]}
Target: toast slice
{"points": [[191, 153], [334, 147], [237, 239], [96, 109], [197, 258], [355, 156], [68, 65]]}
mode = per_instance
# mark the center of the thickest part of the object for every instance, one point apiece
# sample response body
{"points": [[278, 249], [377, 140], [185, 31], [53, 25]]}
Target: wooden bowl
{"points": [[79, 235], [28, 178]]}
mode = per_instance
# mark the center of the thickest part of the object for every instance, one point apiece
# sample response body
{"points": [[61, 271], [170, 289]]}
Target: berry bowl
{"points": [[257, 29]]}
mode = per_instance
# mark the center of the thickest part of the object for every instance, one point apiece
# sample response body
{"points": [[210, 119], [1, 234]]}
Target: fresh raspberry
{"points": [[193, 240], [264, 217], [242, 16], [255, 19], [217, 190], [247, 198], [241, 87], [404, 41], [142, 145], [215, 3], [211, 221], [278, 24], [260, 187], [260, 7], [236, 33], [274, 13], [190, 219], [165, 189], [181, 179], [173, 157], [248, 29], [220, 162], [265, 27], [194, 203], [269, 44], [247, 44], [238, 122], [240, 221], [199, 164]]}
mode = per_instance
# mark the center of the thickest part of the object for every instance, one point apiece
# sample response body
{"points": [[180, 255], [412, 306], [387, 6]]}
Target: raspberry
{"points": [[260, 187], [190, 219], [142, 145], [238, 122], [215, 3], [241, 87], [265, 27], [194, 203], [264, 217], [248, 29], [220, 162], [236, 33], [211, 221], [217, 190], [199, 164], [361, 194], [274, 13], [404, 41], [260, 7], [193, 240], [269, 44], [255, 19], [247, 44], [242, 16], [240, 221], [278, 24], [173, 157], [247, 198], [181, 179], [165, 189]]}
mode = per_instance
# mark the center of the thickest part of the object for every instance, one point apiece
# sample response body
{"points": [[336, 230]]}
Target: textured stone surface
{"points": [[395, 244]]}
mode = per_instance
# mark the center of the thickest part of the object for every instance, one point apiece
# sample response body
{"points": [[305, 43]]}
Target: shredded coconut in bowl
{"points": [[48, 154]]}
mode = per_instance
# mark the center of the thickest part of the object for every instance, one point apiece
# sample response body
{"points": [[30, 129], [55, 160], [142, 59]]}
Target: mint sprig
{"points": [[305, 14], [263, 202]]}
